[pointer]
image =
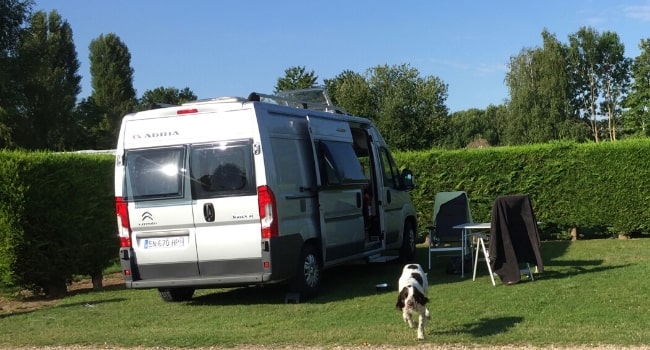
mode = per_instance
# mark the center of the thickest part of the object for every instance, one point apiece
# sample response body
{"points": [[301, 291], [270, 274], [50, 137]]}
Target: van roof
{"points": [[315, 99]]}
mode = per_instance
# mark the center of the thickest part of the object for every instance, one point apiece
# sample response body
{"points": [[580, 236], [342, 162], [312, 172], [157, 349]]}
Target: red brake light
{"points": [[187, 111], [124, 228], [268, 212]]}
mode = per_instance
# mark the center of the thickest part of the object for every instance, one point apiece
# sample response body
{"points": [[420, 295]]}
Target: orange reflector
{"points": [[187, 111]]}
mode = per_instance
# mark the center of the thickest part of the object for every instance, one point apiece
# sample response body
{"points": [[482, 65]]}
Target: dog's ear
{"points": [[403, 294], [420, 298]]}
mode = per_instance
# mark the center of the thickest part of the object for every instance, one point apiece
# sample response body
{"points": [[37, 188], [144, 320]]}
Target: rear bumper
{"points": [[201, 282]]}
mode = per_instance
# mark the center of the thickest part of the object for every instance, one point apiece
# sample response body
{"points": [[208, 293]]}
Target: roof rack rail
{"points": [[156, 105], [222, 99], [312, 98]]}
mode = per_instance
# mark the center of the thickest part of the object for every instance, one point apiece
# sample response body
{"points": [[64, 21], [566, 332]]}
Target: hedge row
{"points": [[57, 218], [57, 215], [599, 189]]}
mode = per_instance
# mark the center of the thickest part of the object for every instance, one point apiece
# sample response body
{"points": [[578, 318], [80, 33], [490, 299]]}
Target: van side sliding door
{"points": [[340, 180]]}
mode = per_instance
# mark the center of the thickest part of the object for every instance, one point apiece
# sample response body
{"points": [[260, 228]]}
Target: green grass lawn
{"points": [[592, 292]]}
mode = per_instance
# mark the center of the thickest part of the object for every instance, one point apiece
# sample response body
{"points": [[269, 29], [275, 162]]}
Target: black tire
{"points": [[176, 294], [407, 252], [308, 275]]}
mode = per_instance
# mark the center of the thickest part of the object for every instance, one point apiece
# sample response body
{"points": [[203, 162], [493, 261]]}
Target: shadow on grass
{"points": [[93, 303], [485, 327], [574, 268], [338, 283], [89, 304], [32, 303]]}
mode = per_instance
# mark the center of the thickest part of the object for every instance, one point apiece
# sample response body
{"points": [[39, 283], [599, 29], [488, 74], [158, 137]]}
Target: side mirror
{"points": [[407, 179]]}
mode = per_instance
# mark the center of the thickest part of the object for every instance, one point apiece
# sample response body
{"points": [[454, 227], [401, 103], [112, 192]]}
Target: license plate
{"points": [[165, 243]]}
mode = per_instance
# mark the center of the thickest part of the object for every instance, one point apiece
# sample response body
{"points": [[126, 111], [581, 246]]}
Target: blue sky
{"points": [[231, 48]]}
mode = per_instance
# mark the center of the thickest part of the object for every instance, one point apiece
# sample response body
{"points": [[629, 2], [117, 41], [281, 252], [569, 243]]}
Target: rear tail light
{"points": [[123, 225], [187, 111], [268, 212]]}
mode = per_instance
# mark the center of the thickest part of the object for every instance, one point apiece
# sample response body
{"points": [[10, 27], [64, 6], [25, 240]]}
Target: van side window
{"points": [[286, 154], [154, 173], [389, 169], [339, 164], [222, 169]]}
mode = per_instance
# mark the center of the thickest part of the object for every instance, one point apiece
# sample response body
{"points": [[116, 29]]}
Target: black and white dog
{"points": [[412, 298]]}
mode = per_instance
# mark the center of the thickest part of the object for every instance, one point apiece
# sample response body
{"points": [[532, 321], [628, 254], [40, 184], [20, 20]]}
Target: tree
{"points": [[583, 67], [13, 13], [161, 95], [351, 91], [475, 126], [614, 75], [296, 78], [50, 84], [540, 94], [409, 109], [637, 118], [112, 83], [398, 100], [599, 76]]}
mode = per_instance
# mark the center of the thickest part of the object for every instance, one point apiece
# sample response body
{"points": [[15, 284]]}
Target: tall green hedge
{"points": [[602, 188], [57, 215], [56, 218], [11, 213]]}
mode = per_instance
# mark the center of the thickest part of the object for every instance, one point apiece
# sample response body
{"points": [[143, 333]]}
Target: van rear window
{"points": [[222, 169], [155, 173]]}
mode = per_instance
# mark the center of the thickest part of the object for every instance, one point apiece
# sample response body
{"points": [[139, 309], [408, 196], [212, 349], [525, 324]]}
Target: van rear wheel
{"points": [[308, 273], [176, 294]]}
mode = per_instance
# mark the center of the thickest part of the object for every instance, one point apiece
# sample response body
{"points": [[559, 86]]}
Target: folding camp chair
{"points": [[450, 209]]}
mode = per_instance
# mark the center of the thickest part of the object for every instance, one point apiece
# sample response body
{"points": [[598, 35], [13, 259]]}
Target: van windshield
{"points": [[154, 173]]}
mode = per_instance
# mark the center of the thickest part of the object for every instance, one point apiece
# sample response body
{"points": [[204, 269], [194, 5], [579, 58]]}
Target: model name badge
{"points": [[152, 135], [241, 217]]}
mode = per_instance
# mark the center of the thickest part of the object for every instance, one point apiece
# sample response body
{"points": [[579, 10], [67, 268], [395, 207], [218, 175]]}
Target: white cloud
{"points": [[641, 12]]}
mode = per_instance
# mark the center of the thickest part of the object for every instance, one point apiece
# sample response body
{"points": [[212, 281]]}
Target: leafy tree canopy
{"points": [[296, 78]]}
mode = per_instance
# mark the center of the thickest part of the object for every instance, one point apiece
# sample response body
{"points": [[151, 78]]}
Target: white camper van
{"points": [[245, 191]]}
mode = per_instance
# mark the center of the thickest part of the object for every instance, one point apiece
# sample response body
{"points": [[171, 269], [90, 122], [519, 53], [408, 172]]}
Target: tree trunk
{"points": [[97, 281], [56, 289], [574, 234]]}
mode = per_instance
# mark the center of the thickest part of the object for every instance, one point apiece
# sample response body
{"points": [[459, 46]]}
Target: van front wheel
{"points": [[176, 294], [407, 253], [308, 274]]}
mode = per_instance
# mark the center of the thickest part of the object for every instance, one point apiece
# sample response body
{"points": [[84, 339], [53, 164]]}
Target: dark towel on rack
{"points": [[514, 237]]}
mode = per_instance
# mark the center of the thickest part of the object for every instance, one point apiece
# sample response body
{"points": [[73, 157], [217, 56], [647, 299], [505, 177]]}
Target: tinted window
{"points": [[286, 154], [222, 169], [389, 170], [155, 173], [339, 164]]}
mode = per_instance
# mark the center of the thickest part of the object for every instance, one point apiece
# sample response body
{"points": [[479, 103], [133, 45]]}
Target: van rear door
{"points": [[225, 207], [340, 181], [163, 236]]}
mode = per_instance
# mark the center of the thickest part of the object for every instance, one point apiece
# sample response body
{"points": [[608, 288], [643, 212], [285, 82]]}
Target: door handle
{"points": [[208, 212]]}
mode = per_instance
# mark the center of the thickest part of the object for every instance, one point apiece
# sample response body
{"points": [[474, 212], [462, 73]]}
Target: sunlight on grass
{"points": [[592, 292]]}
